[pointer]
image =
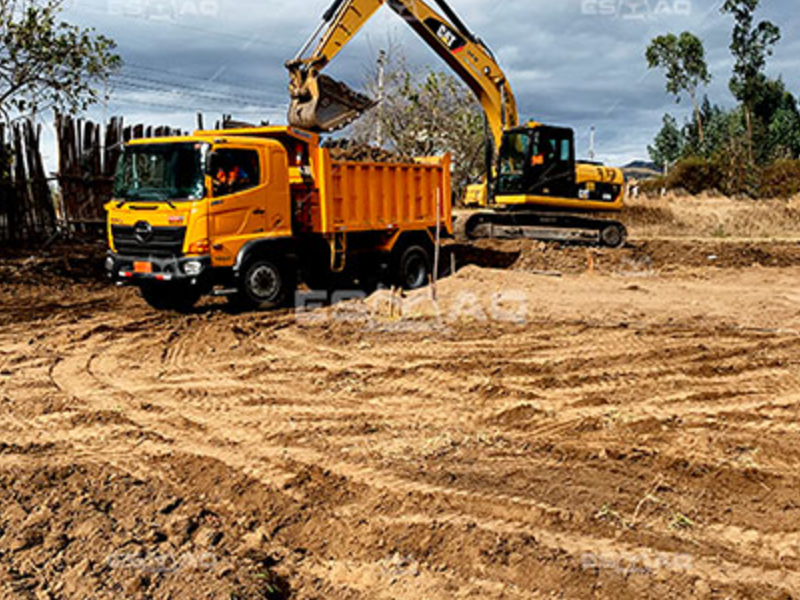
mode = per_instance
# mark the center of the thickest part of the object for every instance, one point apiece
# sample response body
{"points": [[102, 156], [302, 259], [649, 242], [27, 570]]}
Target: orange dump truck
{"points": [[251, 213]]}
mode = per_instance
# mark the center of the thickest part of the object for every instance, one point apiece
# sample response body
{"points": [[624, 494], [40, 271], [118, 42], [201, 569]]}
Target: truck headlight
{"points": [[109, 264], [193, 268]]}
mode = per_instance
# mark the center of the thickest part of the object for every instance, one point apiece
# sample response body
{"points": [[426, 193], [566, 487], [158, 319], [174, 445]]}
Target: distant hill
{"points": [[642, 164], [641, 169]]}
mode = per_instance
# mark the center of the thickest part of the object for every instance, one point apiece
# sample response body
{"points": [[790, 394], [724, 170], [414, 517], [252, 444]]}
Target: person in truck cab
{"points": [[230, 179]]}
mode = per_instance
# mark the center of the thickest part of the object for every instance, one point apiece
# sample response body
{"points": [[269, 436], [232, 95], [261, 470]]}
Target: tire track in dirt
{"points": [[81, 386], [500, 444], [363, 475]]}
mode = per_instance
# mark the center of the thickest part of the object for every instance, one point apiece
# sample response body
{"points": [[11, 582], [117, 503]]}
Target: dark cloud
{"points": [[569, 61]]}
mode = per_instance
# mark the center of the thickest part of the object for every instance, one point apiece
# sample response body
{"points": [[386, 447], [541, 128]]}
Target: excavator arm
{"points": [[321, 104]]}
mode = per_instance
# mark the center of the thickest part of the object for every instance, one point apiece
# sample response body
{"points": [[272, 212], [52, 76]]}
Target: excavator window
{"points": [[566, 151], [555, 175], [514, 154]]}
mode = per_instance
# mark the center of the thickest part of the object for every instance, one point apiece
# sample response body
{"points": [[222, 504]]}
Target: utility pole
{"points": [[592, 134], [381, 87]]}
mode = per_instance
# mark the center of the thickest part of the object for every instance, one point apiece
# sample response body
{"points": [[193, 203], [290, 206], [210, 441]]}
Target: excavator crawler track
{"points": [[546, 226]]}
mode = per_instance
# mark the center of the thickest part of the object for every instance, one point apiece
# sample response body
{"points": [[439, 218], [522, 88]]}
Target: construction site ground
{"points": [[563, 423]]}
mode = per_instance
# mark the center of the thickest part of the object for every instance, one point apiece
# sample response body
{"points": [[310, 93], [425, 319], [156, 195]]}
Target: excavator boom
{"points": [[321, 104]]}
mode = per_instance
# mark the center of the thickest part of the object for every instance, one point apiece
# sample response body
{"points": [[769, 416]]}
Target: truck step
{"points": [[224, 293]]}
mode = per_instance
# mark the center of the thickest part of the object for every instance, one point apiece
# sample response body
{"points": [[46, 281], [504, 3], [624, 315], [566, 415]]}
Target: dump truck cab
{"points": [[193, 215], [172, 197]]}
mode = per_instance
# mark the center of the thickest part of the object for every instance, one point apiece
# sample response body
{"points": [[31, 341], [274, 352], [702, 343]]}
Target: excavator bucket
{"points": [[321, 104]]}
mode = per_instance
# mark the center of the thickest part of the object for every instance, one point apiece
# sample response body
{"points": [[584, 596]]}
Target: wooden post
{"points": [[437, 250]]}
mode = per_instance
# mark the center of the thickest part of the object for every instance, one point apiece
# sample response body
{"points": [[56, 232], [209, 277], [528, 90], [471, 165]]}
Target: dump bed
{"points": [[361, 196], [356, 197]]}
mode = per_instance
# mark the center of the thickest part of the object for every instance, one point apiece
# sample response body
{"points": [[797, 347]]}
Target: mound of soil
{"points": [[639, 257]]}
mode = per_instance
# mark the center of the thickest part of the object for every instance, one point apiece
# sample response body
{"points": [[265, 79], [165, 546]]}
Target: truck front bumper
{"points": [[133, 270]]}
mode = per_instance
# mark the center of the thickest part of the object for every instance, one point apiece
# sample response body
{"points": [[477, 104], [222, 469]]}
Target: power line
{"points": [[259, 86], [200, 104], [167, 87], [185, 107], [173, 22]]}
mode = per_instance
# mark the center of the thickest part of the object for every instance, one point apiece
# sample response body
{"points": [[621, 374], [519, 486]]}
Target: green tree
{"points": [[784, 134], [684, 61], [776, 118], [715, 126], [47, 63], [720, 125], [668, 146], [425, 114], [751, 45]]}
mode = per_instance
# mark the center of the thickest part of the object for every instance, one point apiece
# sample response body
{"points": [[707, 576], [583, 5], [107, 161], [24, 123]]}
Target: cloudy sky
{"points": [[571, 62]]}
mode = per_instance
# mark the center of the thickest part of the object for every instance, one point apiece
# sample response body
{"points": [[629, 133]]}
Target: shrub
{"points": [[781, 179], [696, 175], [652, 187]]}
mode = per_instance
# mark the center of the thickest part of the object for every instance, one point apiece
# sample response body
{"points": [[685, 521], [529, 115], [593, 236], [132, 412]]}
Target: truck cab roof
{"points": [[283, 134]]}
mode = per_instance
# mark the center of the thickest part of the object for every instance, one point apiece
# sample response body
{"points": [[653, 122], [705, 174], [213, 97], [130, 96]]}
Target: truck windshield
{"points": [[162, 172]]}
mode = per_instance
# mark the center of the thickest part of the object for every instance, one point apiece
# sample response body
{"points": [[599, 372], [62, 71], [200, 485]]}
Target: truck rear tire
{"points": [[413, 268], [174, 297], [264, 285]]}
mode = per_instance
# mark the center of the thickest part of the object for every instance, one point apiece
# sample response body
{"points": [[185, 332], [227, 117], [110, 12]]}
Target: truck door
{"points": [[237, 209]]}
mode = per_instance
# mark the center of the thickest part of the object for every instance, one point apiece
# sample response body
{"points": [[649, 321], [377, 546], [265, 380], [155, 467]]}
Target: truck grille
{"points": [[155, 241]]}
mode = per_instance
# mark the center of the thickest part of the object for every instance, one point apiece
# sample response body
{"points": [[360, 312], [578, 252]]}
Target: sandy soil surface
{"points": [[612, 425]]}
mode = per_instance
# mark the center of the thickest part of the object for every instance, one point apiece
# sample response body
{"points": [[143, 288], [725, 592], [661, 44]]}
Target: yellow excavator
{"points": [[534, 187]]}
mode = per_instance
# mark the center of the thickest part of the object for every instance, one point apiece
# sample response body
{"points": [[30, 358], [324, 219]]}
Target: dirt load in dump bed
{"points": [[344, 150]]}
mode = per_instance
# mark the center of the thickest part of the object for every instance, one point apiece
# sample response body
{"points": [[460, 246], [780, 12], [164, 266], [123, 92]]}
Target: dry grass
{"points": [[709, 216]]}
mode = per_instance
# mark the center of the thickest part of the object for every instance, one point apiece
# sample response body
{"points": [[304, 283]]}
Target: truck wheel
{"points": [[413, 269], [613, 236], [264, 285], [180, 298]]}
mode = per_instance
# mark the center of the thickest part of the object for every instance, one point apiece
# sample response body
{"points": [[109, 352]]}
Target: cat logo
{"points": [[451, 39]]}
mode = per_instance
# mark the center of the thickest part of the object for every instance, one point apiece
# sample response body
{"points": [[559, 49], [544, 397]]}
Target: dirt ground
{"points": [[564, 423]]}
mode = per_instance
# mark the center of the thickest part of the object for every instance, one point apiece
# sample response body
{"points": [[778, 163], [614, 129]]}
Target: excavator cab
{"points": [[538, 161]]}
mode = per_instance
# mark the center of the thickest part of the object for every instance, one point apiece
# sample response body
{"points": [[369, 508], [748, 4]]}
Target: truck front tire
{"points": [[413, 268], [265, 285]]}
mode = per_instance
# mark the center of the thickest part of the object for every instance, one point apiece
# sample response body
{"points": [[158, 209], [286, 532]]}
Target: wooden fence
{"points": [[27, 210], [35, 207], [88, 157]]}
